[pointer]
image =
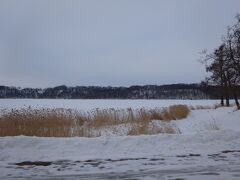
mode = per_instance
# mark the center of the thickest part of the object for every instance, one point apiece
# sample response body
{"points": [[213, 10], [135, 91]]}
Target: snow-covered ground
{"points": [[208, 147]]}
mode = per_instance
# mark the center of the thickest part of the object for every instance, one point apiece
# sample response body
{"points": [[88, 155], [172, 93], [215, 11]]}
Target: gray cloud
{"points": [[92, 42]]}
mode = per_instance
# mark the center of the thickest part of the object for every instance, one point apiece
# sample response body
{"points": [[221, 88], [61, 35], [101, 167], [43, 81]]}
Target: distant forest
{"points": [[172, 91]]}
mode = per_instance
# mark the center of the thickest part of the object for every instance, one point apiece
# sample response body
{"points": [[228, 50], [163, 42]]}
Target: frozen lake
{"points": [[86, 104]]}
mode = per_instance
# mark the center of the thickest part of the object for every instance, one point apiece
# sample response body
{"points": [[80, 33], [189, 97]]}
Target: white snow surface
{"points": [[206, 133], [89, 104]]}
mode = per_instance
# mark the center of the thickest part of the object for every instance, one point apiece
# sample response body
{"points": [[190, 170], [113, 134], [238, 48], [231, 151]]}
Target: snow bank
{"points": [[224, 118], [196, 137], [18, 149]]}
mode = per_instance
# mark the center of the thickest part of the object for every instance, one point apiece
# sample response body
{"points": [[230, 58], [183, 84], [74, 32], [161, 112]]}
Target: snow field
{"points": [[209, 140]]}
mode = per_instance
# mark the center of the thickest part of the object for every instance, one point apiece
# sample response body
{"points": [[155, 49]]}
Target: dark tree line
{"points": [[224, 65], [174, 91]]}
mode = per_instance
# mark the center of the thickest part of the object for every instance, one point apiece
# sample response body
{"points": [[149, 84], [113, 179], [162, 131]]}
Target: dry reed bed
{"points": [[68, 123]]}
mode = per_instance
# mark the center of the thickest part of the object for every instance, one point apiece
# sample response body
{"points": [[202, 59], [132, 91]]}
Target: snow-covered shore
{"points": [[209, 139]]}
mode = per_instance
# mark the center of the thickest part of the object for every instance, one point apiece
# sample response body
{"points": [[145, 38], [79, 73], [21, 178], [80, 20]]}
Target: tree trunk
{"points": [[226, 90], [236, 97], [234, 92], [222, 101], [222, 91]]}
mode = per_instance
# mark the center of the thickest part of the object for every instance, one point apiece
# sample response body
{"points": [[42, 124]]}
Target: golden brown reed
{"points": [[178, 111], [67, 123], [40, 122], [150, 129]]}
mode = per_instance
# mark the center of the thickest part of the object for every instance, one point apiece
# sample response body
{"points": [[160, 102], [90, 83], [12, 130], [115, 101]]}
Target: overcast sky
{"points": [[108, 42]]}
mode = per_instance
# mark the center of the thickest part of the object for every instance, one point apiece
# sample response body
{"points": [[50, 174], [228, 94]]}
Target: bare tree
{"points": [[232, 41], [214, 63], [224, 64]]}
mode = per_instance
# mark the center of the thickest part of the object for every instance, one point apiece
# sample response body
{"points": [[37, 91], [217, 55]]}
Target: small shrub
{"points": [[178, 111], [212, 126], [150, 128], [138, 128]]}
